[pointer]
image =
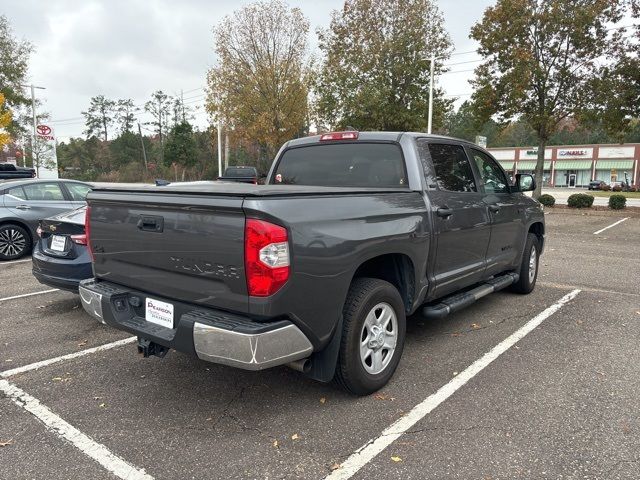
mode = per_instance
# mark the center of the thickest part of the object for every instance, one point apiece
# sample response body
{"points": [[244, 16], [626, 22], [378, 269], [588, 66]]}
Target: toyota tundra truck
{"points": [[319, 268]]}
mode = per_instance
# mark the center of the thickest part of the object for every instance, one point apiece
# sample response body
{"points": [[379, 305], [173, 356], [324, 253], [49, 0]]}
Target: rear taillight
{"points": [[79, 239], [39, 231], [87, 233], [266, 257]]}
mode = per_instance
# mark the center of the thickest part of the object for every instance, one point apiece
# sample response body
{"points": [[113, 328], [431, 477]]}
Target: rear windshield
{"points": [[343, 165], [240, 172]]}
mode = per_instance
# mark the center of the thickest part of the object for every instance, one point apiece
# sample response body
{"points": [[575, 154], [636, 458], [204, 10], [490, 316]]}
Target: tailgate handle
{"points": [[150, 223]]}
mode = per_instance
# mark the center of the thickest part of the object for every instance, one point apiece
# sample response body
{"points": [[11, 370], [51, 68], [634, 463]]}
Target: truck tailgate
{"points": [[188, 247]]}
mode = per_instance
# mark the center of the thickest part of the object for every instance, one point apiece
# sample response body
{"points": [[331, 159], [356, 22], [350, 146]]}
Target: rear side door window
{"points": [[491, 175], [452, 168], [44, 192]]}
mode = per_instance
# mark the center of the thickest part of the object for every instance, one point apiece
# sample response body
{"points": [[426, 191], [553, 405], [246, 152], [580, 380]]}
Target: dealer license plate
{"points": [[58, 243], [160, 313]]}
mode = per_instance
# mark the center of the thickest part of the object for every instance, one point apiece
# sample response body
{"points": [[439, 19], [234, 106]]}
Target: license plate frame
{"points": [[58, 243], [159, 312]]}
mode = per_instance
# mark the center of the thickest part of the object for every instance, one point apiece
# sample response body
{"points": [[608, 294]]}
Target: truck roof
{"points": [[376, 136]]}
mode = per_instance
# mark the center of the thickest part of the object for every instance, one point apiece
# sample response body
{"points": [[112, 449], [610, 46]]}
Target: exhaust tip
{"points": [[303, 365]]}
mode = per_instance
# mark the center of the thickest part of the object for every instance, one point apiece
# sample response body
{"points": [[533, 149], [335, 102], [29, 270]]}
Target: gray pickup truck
{"points": [[319, 268]]}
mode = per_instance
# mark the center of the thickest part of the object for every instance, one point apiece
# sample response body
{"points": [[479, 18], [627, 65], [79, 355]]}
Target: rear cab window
{"points": [[358, 164]]}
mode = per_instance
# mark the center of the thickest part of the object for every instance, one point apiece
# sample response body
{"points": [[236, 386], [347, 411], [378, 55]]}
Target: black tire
{"points": [[364, 295], [15, 242], [526, 283]]}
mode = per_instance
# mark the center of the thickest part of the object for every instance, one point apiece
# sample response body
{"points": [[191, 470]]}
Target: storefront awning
{"points": [[507, 164], [574, 165], [614, 164], [532, 165]]}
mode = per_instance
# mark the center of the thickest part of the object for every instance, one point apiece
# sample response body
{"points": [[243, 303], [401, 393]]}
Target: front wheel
{"points": [[529, 266], [373, 337]]}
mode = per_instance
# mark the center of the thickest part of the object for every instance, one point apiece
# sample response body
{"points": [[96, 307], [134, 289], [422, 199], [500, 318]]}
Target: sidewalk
{"points": [[562, 194]]}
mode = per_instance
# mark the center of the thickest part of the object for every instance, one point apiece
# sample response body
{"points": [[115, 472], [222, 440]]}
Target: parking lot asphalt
{"points": [[561, 403]]}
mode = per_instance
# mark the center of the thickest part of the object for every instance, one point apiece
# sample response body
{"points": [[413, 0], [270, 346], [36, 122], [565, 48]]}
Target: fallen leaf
{"points": [[322, 400], [209, 419], [380, 396], [475, 326], [455, 334], [6, 443], [335, 466], [102, 405], [396, 459], [83, 343], [295, 436], [97, 398], [275, 443], [41, 306]]}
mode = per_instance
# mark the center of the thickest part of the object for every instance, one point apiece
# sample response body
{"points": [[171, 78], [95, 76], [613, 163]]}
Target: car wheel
{"points": [[529, 266], [374, 326], [15, 242]]}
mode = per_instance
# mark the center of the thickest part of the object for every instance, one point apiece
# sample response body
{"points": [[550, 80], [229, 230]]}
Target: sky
{"points": [[131, 48]]}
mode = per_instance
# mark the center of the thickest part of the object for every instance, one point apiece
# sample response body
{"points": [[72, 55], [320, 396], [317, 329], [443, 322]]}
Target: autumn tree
{"points": [[376, 69], [99, 117], [540, 57], [5, 121], [259, 85], [14, 62]]}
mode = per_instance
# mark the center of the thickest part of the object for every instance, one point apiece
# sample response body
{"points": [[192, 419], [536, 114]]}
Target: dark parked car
{"points": [[319, 268], [240, 174], [596, 184], [23, 203], [8, 171], [61, 258]]}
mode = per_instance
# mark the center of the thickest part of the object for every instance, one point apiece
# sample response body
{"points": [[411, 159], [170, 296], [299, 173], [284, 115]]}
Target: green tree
{"points": [[259, 86], [159, 107], [99, 116], [14, 63], [376, 69], [125, 115], [181, 148], [540, 57]]}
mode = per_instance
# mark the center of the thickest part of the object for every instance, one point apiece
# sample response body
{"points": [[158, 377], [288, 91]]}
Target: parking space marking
{"points": [[29, 294], [69, 356], [612, 225], [370, 450], [68, 432], [16, 261]]}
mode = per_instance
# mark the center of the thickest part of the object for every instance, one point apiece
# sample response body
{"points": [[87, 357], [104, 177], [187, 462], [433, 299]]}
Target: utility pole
{"points": [[182, 104], [35, 161], [433, 59], [144, 151], [219, 148]]}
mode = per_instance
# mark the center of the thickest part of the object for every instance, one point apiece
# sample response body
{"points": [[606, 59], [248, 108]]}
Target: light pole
{"points": [[36, 164], [219, 148], [433, 59]]}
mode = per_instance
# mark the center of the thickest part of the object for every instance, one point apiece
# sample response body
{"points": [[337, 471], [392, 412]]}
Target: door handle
{"points": [[23, 207], [150, 223], [494, 208], [444, 212]]}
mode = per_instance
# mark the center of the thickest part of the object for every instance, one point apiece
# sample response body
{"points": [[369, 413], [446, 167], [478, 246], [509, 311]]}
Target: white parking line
{"points": [[68, 432], [29, 294], [69, 356], [612, 225], [370, 450], [15, 261]]}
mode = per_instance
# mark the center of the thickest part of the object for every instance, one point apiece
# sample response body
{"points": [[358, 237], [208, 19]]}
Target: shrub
{"points": [[617, 202], [617, 188], [580, 200], [605, 188], [547, 200]]}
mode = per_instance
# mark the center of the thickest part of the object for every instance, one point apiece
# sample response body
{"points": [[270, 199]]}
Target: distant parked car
{"points": [[8, 171], [596, 184], [60, 257], [240, 174], [23, 203]]}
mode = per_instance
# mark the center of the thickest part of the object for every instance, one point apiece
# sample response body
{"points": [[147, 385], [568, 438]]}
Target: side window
{"points": [[492, 176], [452, 167], [17, 192], [78, 191], [43, 191]]}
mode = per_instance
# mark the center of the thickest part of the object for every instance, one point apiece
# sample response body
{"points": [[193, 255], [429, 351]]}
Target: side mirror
{"points": [[525, 182]]}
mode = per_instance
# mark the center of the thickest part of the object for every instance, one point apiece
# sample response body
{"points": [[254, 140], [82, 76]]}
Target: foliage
{"points": [[14, 63], [617, 202], [160, 108], [540, 60], [375, 72], [547, 200], [99, 116], [259, 86], [125, 116], [5, 121], [181, 146], [580, 200]]}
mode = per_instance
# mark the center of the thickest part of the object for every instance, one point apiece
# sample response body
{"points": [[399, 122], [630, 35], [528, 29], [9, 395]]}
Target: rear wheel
{"points": [[529, 266], [373, 336], [15, 242]]}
